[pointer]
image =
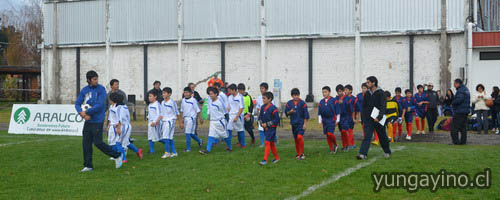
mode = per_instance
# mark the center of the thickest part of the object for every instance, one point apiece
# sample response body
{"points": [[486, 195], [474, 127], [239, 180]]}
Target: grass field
{"points": [[47, 167]]}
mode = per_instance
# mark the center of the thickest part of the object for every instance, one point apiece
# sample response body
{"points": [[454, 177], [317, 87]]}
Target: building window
{"points": [[491, 55]]}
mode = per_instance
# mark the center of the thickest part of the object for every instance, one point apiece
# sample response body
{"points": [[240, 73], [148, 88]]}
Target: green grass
{"points": [[47, 167]]}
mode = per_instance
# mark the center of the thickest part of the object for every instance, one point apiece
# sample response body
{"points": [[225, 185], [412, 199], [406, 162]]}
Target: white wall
{"points": [[486, 72], [333, 63]]}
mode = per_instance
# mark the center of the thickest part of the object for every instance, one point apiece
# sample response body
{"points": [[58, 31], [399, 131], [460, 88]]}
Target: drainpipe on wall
{"points": [[468, 63]]}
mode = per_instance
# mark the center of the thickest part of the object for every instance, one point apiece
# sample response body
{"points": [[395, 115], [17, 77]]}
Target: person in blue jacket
{"points": [[461, 109], [91, 105]]}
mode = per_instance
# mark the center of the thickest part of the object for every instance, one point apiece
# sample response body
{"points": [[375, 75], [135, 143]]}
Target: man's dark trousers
{"points": [[92, 133]]}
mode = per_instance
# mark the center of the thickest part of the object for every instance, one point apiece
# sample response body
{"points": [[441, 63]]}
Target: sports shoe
{"points": [[253, 141], [297, 157], [335, 149], [187, 151], [361, 157], [387, 155], [165, 155], [228, 149], [302, 157], [263, 162], [139, 154], [375, 142], [111, 158], [86, 169], [408, 137], [498, 132], [173, 155], [276, 161], [203, 152], [118, 161], [261, 146], [353, 147], [125, 161]]}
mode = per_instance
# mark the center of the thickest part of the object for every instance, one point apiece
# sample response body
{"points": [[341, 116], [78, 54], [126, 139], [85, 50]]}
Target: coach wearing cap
{"points": [[93, 98]]}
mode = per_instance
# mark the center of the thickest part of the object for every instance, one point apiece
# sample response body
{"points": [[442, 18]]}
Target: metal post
{"points": [[310, 96], [223, 61], [263, 72], [357, 45], [77, 71], [412, 83]]}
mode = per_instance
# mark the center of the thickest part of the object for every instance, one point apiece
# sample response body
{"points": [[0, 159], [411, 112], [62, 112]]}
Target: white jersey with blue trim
{"points": [[189, 107], [235, 104], [154, 111], [169, 110], [113, 115], [123, 114], [216, 110], [223, 98]]}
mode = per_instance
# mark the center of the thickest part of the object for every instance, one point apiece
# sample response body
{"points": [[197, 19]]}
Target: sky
{"points": [[9, 4]]}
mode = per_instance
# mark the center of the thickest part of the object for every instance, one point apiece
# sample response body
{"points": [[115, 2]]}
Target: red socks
{"points": [[409, 127], [345, 140], [330, 138], [299, 145], [400, 129], [270, 147], [351, 137]]}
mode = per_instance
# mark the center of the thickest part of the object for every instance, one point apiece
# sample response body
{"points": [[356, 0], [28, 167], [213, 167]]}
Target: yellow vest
{"points": [[392, 109]]}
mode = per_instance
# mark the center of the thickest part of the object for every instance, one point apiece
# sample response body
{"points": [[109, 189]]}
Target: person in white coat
{"points": [[479, 100]]}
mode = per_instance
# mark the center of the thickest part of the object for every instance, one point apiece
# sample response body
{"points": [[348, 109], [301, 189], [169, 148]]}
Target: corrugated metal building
{"points": [[304, 43]]}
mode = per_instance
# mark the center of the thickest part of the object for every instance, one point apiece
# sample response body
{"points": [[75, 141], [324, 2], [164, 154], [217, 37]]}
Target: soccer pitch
{"points": [[47, 167]]}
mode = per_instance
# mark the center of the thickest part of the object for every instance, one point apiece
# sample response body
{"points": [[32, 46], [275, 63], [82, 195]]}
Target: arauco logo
{"points": [[22, 115]]}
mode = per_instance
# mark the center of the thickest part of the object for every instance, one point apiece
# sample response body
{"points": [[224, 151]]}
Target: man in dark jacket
{"points": [[461, 109], [374, 98], [432, 111], [157, 90]]}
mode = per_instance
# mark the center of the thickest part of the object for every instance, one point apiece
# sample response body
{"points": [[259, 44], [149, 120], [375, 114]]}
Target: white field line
{"points": [[338, 176], [30, 141]]}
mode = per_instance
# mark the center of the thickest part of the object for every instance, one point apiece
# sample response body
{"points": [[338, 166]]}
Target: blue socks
{"points": [[133, 147], [212, 140], [241, 138], [230, 133], [188, 140], [172, 146], [167, 145], [262, 138], [151, 146]]}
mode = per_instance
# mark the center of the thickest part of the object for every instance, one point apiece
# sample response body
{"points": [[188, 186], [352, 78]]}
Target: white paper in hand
{"points": [[374, 115]]}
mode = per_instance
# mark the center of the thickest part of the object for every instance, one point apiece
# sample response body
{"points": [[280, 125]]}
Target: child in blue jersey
{"points": [[269, 120], [329, 115], [190, 112], [399, 123], [218, 122], [169, 113], [296, 109], [408, 104], [422, 100], [154, 121], [350, 114]]}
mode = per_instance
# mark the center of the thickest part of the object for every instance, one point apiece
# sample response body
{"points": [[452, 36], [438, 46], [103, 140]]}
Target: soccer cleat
{"points": [[87, 169], [187, 150], [228, 149], [139, 154], [353, 147], [203, 152], [165, 155], [276, 161], [261, 146], [302, 157], [408, 137], [131, 140], [151, 152], [119, 161], [297, 157], [335, 149], [498, 132], [375, 142], [253, 141], [111, 158], [263, 162], [361, 157], [125, 161], [387, 155], [173, 155]]}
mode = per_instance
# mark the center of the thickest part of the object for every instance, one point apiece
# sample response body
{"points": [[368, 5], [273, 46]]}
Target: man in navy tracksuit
{"points": [[93, 98], [461, 109]]}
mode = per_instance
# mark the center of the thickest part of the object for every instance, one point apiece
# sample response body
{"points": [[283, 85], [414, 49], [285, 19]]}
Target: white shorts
{"points": [[189, 125], [218, 129], [167, 129], [112, 135], [154, 132], [235, 126], [125, 136]]}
